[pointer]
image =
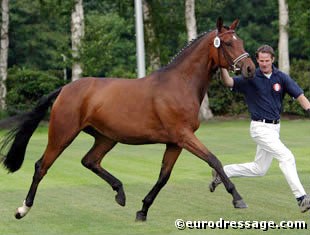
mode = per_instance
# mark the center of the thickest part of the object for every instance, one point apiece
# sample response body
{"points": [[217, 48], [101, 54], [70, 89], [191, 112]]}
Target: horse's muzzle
{"points": [[248, 68]]}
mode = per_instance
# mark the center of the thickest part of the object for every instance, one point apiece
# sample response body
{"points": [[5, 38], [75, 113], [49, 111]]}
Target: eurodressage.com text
{"points": [[244, 224]]}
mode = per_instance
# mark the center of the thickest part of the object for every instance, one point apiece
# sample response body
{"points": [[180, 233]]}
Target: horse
{"points": [[159, 108]]}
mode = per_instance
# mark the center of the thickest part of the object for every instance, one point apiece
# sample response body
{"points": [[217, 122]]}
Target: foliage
{"points": [[299, 18], [39, 35], [26, 86], [108, 48], [300, 72], [169, 25], [222, 100]]}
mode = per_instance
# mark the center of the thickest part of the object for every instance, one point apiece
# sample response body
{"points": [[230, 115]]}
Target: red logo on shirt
{"points": [[276, 87]]}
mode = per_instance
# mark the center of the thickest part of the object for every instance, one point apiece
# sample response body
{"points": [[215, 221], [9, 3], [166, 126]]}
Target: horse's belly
{"points": [[131, 130], [134, 136]]}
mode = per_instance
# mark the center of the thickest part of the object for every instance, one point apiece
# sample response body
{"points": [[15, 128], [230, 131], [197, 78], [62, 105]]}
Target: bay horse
{"points": [[160, 108]]}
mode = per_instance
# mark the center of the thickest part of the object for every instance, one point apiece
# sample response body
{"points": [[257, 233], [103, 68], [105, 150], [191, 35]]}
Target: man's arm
{"points": [[304, 102], [227, 80]]}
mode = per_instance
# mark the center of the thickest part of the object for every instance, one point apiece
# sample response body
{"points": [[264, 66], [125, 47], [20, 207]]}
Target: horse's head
{"points": [[228, 51]]}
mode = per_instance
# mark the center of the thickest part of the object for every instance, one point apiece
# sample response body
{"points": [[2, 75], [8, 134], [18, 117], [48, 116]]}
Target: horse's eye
{"points": [[228, 43]]}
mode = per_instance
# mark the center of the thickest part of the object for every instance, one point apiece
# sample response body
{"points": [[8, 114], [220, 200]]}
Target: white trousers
{"points": [[269, 146]]}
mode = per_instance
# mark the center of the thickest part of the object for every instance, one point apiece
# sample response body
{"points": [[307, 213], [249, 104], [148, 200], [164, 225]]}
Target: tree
{"points": [[77, 33], [4, 51], [299, 29], [108, 47], [205, 113], [284, 62], [39, 35], [190, 19], [150, 36]]}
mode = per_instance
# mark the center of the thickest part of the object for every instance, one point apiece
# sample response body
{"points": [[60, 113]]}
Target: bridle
{"points": [[232, 62]]}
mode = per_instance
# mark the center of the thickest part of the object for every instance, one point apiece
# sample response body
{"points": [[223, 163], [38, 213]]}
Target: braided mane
{"points": [[188, 45]]}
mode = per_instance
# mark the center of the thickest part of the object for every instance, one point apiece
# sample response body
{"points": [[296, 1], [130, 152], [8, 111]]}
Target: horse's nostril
{"points": [[250, 71]]}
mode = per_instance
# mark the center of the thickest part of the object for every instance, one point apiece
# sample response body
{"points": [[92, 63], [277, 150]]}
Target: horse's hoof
{"points": [[18, 215], [240, 204], [22, 211], [120, 198], [140, 216]]}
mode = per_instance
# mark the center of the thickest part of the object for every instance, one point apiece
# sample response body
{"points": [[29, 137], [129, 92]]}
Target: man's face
{"points": [[265, 61]]}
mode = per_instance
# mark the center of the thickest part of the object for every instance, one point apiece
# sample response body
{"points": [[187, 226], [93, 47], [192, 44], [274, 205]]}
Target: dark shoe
{"points": [[304, 204], [216, 180]]}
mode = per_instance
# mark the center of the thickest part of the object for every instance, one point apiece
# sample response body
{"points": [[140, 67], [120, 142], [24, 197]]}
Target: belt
{"points": [[267, 121]]}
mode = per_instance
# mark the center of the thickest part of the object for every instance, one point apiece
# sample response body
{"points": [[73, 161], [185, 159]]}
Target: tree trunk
{"points": [[284, 61], [4, 51], [153, 49], [190, 19], [205, 112], [77, 33]]}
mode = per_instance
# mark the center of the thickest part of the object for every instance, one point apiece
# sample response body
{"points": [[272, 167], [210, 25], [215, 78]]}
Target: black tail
{"points": [[21, 134]]}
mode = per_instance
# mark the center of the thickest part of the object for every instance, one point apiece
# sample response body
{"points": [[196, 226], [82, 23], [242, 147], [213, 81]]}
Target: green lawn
{"points": [[72, 200]]}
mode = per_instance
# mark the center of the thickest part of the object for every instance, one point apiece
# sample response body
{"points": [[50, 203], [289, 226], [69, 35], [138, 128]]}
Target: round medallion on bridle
{"points": [[217, 42]]}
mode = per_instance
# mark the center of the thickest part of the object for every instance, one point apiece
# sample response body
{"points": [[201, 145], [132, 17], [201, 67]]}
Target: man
{"points": [[264, 95]]}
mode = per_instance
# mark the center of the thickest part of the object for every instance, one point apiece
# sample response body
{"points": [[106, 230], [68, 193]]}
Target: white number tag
{"points": [[217, 42]]}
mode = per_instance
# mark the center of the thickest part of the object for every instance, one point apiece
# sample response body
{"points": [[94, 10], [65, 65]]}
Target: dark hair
{"points": [[265, 49]]}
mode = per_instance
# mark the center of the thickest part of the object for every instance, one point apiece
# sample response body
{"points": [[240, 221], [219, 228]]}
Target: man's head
{"points": [[265, 57]]}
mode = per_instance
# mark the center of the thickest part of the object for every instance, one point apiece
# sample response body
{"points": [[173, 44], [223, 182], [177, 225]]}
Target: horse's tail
{"points": [[20, 135]]}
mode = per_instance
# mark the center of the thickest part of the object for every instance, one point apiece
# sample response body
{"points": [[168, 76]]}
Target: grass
{"points": [[72, 200]]}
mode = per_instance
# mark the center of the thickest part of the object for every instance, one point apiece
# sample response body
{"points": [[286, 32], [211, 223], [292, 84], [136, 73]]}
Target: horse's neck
{"points": [[196, 70]]}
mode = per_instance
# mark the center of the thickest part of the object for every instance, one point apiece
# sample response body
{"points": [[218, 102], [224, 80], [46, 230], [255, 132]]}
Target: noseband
{"points": [[232, 63]]}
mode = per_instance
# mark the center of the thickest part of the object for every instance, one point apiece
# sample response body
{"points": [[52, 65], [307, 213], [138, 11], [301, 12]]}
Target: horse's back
{"points": [[121, 109]]}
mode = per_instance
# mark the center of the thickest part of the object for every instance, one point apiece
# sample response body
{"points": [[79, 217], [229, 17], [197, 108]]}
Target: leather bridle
{"points": [[232, 62]]}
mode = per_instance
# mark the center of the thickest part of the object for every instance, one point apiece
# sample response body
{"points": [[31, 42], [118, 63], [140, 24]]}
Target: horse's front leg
{"points": [[190, 142], [171, 155]]}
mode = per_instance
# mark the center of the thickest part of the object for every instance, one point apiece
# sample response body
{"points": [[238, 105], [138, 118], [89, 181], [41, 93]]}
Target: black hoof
{"points": [[140, 216], [240, 204], [18, 215], [120, 198], [212, 187]]}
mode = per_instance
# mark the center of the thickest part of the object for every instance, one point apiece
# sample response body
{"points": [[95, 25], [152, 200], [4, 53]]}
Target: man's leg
{"points": [[270, 140], [258, 167]]}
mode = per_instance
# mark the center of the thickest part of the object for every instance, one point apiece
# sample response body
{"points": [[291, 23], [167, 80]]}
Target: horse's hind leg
{"points": [[171, 155], [57, 142], [41, 167], [93, 159]]}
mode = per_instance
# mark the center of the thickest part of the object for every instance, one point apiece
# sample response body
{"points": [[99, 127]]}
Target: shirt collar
{"points": [[260, 74]]}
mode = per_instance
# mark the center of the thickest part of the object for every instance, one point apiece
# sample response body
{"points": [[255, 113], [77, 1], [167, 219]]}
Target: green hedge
{"points": [[26, 86], [300, 72], [223, 101]]}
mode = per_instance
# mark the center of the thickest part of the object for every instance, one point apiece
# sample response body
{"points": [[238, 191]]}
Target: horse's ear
{"points": [[219, 24], [234, 24]]}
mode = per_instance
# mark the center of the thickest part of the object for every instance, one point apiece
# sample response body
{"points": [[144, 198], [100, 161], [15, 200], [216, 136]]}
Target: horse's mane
{"points": [[180, 53], [189, 44]]}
